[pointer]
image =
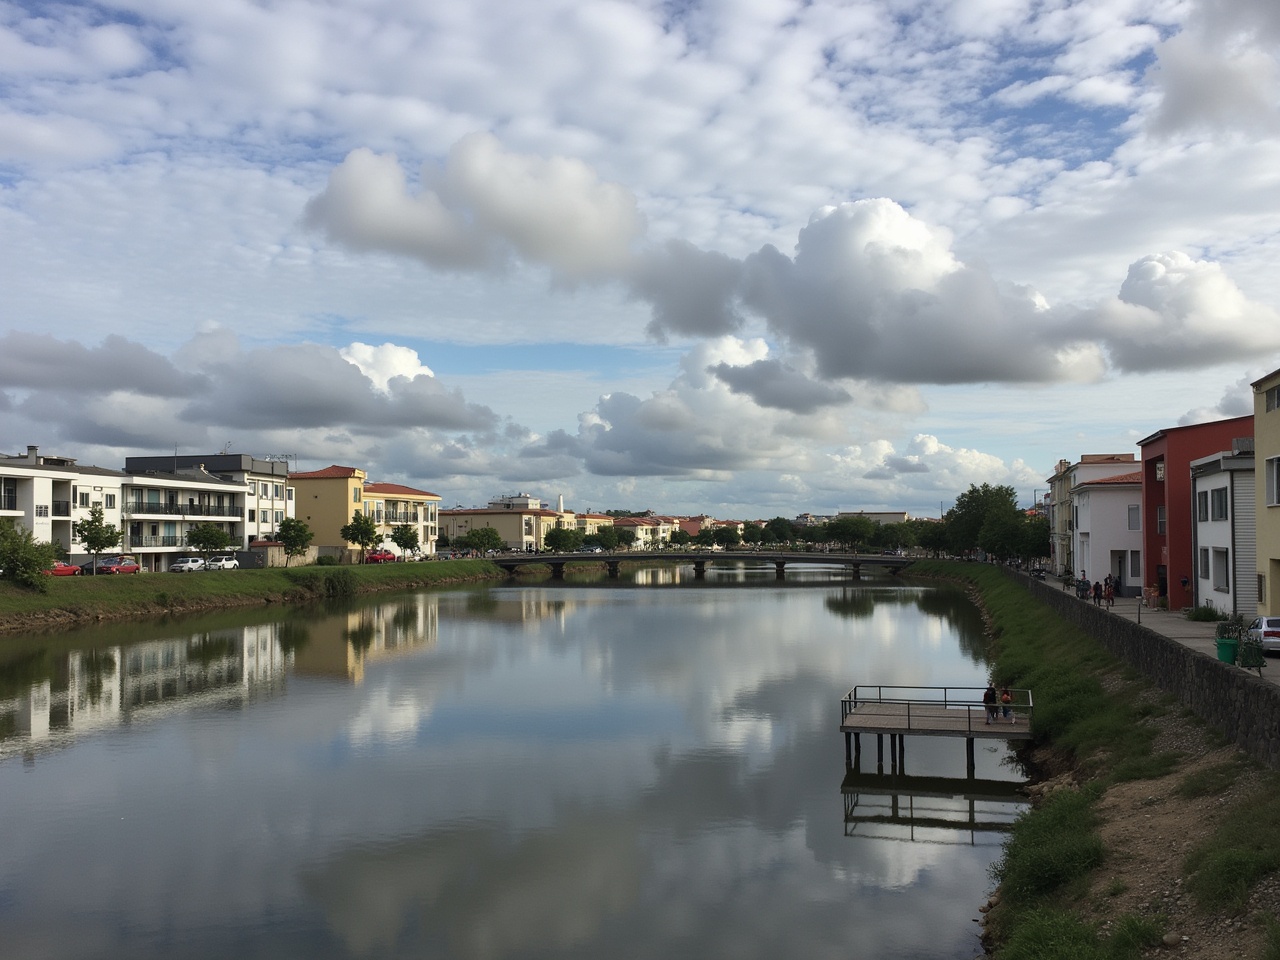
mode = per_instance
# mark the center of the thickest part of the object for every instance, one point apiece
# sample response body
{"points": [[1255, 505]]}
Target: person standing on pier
{"points": [[989, 700]]}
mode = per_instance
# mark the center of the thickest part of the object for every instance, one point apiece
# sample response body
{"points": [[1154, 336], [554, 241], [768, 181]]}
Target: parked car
{"points": [[224, 562], [60, 569], [186, 565], [1266, 631], [379, 556], [120, 565]]}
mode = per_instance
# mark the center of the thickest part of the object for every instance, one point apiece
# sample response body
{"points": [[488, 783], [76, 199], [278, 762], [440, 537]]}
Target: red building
{"points": [[1167, 509]]}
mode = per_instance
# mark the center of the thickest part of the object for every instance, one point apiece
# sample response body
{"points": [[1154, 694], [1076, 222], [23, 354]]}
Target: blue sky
{"points": [[751, 259]]}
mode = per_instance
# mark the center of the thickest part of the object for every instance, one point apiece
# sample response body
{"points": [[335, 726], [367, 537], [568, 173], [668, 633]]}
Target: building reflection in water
{"points": [[100, 688], [340, 645]]}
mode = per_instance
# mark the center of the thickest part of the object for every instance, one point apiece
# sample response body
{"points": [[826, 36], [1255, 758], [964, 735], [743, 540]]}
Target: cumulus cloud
{"points": [[383, 363], [486, 204], [1222, 71], [43, 362], [772, 383], [1174, 312]]}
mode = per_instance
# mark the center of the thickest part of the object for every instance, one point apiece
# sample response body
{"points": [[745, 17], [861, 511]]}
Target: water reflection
{"points": [[926, 809], [536, 770]]}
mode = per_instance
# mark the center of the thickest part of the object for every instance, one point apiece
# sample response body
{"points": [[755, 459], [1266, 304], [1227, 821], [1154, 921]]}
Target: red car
{"points": [[60, 569], [119, 565], [379, 556]]}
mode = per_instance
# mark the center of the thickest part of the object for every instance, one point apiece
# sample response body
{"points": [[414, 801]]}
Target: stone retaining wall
{"points": [[1235, 702]]}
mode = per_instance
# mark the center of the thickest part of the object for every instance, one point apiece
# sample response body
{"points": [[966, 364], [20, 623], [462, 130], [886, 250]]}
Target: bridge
{"points": [[852, 562]]}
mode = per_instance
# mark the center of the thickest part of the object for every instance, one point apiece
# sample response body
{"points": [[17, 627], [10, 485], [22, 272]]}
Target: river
{"points": [[641, 768]]}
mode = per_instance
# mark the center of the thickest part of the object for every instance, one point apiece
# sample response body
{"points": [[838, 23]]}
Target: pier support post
{"points": [[879, 753], [968, 755], [612, 566], [699, 569], [779, 569], [557, 571]]}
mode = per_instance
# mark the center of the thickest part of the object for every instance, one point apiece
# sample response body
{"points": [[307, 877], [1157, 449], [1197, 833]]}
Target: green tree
{"points": [[849, 532], [626, 537], [681, 538], [1001, 533], [1035, 539], [727, 536], [22, 559], [752, 533], [207, 538], [295, 536], [96, 534], [782, 529], [607, 537], [481, 539], [931, 535], [361, 531], [706, 537], [972, 510], [405, 536], [563, 540]]}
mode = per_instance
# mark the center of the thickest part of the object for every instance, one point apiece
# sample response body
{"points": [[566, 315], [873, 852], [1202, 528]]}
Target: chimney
{"points": [[33, 453], [560, 504]]}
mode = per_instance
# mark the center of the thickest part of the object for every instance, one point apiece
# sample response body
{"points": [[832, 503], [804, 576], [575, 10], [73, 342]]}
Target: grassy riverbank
{"points": [[73, 600], [1152, 836]]}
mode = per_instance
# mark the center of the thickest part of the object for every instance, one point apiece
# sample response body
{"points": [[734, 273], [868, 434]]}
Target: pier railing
{"points": [[925, 708]]}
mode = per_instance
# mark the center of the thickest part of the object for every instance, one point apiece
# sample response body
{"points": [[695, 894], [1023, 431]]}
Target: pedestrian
{"points": [[1006, 704], [989, 699], [1109, 594], [1097, 593]]}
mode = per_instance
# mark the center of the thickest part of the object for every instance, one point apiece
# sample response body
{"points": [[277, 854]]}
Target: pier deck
{"points": [[927, 712]]}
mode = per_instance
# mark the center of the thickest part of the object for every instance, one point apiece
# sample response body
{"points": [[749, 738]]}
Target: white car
{"points": [[1266, 631], [223, 562], [186, 565]]}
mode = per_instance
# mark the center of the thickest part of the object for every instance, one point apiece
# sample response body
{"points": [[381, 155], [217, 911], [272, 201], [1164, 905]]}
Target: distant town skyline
{"points": [[750, 260]]}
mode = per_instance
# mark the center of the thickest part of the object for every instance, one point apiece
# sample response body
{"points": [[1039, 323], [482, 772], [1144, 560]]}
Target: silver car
{"points": [[186, 565], [223, 562], [1266, 630]]}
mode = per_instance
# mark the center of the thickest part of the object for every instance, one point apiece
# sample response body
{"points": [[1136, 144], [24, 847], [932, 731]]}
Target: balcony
{"points": [[137, 543], [401, 516], [9, 501], [62, 508], [140, 509]]}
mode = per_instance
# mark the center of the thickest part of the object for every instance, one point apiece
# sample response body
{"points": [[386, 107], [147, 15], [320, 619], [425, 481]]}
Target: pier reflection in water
{"points": [[898, 806], [569, 771]]}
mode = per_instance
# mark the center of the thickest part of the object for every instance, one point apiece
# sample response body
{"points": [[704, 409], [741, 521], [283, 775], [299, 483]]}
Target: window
{"points": [[111, 500], [355, 495], [1273, 399], [277, 491], [42, 510], [1262, 588], [1160, 520], [1272, 493], [1218, 503], [1135, 517], [1135, 565], [1221, 578], [279, 515], [288, 493], [1202, 506], [84, 499], [1204, 563], [253, 515], [253, 488]]}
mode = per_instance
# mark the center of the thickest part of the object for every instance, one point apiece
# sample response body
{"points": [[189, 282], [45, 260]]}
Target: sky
{"points": [[750, 259]]}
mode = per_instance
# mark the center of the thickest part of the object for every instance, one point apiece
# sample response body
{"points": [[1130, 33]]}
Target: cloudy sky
{"points": [[750, 258]]}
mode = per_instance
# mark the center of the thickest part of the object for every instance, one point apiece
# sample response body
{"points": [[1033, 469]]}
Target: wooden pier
{"points": [[927, 712]]}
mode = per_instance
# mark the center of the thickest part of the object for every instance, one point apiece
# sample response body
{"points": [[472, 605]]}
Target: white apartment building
{"points": [[1225, 532], [1066, 477], [1106, 531]]}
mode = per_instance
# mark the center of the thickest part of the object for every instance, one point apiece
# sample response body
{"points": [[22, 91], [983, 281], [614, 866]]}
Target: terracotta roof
{"points": [[396, 488], [1135, 477], [328, 473]]}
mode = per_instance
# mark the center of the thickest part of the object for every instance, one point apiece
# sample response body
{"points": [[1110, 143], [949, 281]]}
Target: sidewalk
{"points": [[1195, 634]]}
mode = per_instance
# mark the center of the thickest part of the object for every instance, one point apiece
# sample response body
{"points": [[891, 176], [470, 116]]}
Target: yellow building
{"points": [[326, 500], [1266, 446]]}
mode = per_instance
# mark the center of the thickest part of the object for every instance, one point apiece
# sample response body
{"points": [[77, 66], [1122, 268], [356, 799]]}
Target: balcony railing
{"points": [[62, 508], [9, 501], [137, 543], [136, 508], [392, 516]]}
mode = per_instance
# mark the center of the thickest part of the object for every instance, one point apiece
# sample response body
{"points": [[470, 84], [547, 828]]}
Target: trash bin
{"points": [[1227, 647]]}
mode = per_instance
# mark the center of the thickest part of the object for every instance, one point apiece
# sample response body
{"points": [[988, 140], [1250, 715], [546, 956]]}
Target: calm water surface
{"points": [[639, 768]]}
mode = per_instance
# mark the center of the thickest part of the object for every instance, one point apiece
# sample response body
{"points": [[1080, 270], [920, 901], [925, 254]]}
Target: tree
{"points": [[931, 535], [405, 536], [96, 534], [1035, 539], [481, 540], [851, 531], [295, 536], [626, 537], [22, 560], [681, 538], [781, 528], [727, 536], [1001, 533], [208, 538], [361, 531], [607, 537], [972, 510], [562, 539], [706, 537], [752, 533]]}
